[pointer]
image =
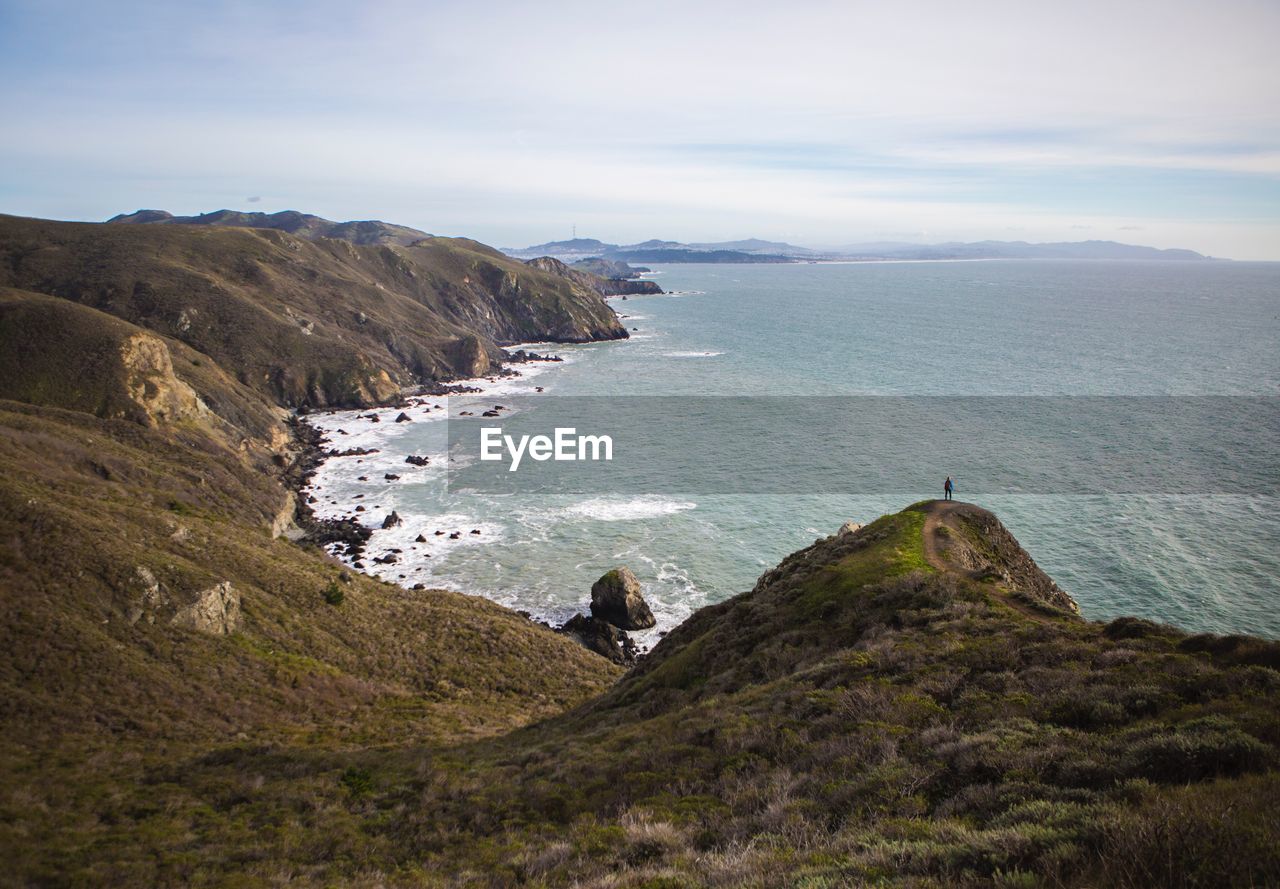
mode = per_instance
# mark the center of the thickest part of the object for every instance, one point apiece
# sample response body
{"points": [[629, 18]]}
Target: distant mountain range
{"points": [[750, 250], [755, 250]]}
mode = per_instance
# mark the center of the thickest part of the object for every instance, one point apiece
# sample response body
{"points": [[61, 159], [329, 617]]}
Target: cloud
{"points": [[828, 120]]}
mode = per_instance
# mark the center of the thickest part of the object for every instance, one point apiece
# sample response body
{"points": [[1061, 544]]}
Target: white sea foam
{"points": [[605, 510], [687, 354]]}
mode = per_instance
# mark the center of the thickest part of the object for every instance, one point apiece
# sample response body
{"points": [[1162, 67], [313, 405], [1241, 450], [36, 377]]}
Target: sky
{"points": [[822, 124]]}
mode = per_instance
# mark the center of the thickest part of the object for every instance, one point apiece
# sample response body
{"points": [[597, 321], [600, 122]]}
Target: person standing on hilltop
{"points": [[947, 488]]}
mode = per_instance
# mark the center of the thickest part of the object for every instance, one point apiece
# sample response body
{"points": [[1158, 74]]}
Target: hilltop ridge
{"points": [[304, 225]]}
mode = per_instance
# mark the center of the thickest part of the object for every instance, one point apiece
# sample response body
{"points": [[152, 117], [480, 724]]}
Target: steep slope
{"points": [[154, 619], [112, 537], [314, 323], [57, 353], [152, 628]]}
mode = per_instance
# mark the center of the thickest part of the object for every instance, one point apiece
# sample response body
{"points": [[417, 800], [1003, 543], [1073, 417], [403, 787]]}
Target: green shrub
{"points": [[333, 593], [357, 781], [1200, 749]]}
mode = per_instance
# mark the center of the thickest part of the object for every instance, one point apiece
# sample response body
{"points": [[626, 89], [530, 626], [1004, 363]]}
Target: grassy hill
{"points": [[876, 711], [315, 323]]}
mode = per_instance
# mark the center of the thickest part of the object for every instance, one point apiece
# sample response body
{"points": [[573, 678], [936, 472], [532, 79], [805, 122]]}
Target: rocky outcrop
{"points": [[149, 379], [630, 287], [283, 524], [469, 356], [215, 611], [616, 598], [146, 597], [601, 637], [849, 528], [603, 285], [974, 541]]}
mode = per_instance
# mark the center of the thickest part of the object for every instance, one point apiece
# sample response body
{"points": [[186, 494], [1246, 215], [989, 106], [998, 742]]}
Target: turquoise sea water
{"points": [[1204, 562]]}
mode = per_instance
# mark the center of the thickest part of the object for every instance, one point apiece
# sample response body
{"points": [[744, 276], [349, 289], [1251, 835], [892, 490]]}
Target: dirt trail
{"points": [[935, 514], [944, 513]]}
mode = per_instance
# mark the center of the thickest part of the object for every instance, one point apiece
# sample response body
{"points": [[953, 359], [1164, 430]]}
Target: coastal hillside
{"points": [[594, 278], [195, 693], [307, 323], [908, 703]]}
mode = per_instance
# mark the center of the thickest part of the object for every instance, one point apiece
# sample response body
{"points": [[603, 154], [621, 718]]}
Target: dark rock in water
{"points": [[360, 508], [373, 418], [416, 460], [616, 598], [490, 414], [391, 477], [362, 478], [349, 535], [475, 530], [388, 559], [419, 539], [539, 388], [392, 520], [359, 566], [455, 535], [352, 452], [439, 533], [419, 586], [601, 637], [313, 499], [403, 418]]}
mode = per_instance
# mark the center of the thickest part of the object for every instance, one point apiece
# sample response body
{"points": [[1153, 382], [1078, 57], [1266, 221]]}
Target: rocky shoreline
{"points": [[310, 453], [617, 604]]}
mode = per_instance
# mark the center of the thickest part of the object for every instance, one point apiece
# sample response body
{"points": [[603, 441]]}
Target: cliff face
{"points": [[601, 284], [318, 323]]}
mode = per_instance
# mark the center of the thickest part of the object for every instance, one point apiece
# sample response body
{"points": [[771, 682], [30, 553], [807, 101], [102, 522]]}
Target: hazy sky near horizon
{"points": [[813, 122]]}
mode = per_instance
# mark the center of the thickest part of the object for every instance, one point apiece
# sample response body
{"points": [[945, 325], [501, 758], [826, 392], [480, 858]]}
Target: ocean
{"points": [[1201, 560]]}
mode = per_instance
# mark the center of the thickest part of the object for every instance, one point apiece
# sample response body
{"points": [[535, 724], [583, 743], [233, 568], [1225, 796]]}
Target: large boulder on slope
{"points": [[215, 611], [616, 599]]}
